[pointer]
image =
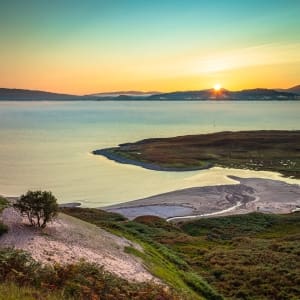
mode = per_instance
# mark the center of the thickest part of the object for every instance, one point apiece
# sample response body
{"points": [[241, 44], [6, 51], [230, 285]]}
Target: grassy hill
{"points": [[254, 256]]}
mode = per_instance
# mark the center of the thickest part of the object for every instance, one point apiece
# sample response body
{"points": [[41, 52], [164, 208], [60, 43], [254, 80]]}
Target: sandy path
{"points": [[67, 240]]}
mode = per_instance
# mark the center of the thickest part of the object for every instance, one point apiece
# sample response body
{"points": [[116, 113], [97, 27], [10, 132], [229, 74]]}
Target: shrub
{"points": [[3, 228], [3, 203], [39, 207], [77, 281]]}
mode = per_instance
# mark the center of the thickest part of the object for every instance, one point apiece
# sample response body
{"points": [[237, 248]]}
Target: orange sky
{"points": [[98, 46]]}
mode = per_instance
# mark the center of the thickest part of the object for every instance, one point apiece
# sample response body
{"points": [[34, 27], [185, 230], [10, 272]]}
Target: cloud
{"points": [[268, 54]]}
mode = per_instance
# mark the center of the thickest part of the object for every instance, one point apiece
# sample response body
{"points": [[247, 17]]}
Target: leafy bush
{"points": [[39, 207], [3, 229]]}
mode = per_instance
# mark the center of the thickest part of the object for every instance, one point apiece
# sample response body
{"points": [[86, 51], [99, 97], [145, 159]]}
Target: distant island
{"points": [[258, 94], [267, 150]]}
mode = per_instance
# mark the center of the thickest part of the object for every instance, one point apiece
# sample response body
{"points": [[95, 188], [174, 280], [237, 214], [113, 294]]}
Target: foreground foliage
{"points": [[77, 281], [254, 256], [3, 204]]}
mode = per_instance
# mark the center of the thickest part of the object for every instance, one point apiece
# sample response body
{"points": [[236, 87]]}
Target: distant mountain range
{"points": [[209, 94]]}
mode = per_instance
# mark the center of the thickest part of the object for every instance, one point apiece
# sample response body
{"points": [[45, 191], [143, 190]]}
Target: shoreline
{"points": [[249, 195], [149, 166], [206, 215], [259, 150], [246, 196]]}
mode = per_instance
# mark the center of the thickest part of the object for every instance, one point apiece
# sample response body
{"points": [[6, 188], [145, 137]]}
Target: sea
{"points": [[47, 145]]}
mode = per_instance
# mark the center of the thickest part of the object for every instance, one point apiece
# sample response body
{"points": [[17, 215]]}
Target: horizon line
{"points": [[141, 91]]}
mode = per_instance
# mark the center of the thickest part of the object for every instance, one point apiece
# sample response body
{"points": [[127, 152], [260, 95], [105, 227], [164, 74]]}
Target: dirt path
{"points": [[68, 240]]}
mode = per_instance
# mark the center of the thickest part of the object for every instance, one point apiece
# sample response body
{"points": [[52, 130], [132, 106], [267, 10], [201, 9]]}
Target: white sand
{"points": [[68, 240]]}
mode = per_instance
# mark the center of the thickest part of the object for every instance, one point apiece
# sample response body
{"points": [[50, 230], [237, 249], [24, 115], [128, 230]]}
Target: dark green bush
{"points": [[40, 207], [3, 228]]}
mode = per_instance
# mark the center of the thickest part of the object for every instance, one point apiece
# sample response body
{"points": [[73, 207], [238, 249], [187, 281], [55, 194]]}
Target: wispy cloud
{"points": [[267, 54]]}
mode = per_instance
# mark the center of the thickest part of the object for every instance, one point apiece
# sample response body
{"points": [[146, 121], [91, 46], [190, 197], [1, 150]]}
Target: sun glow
{"points": [[217, 87]]}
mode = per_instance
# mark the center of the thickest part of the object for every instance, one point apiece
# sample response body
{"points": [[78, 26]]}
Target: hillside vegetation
{"points": [[22, 278], [254, 256]]}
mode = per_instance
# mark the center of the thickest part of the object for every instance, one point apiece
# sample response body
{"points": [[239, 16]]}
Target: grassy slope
{"points": [[252, 256], [247, 257], [160, 260], [257, 150], [11, 291], [23, 278]]}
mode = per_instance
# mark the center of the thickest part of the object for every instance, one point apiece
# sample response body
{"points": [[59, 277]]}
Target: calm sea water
{"points": [[47, 145]]}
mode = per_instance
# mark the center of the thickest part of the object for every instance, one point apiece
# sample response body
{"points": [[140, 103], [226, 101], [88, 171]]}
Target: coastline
{"points": [[250, 195], [107, 152], [258, 150]]}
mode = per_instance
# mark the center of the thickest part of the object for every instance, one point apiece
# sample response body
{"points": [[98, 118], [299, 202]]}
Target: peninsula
{"points": [[271, 150]]}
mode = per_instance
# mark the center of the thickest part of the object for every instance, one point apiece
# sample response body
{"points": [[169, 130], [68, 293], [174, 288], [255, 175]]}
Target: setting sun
{"points": [[217, 87]]}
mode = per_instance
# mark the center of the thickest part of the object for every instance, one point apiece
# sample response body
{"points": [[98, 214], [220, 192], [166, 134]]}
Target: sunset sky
{"points": [[82, 47]]}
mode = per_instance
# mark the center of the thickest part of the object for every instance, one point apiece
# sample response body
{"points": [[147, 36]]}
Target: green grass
{"points": [[223, 228], [253, 256], [11, 291], [162, 261]]}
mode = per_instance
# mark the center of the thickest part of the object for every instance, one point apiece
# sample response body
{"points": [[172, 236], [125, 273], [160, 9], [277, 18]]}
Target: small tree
{"points": [[40, 207]]}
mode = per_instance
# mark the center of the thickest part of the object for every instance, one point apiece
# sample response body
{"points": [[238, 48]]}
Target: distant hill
{"points": [[209, 94], [124, 93], [294, 89], [223, 94], [31, 95]]}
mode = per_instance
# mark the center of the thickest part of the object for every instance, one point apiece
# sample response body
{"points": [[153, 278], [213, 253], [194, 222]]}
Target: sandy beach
{"points": [[251, 194]]}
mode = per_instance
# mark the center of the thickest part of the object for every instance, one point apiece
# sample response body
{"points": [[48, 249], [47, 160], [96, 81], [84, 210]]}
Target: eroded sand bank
{"points": [[251, 194]]}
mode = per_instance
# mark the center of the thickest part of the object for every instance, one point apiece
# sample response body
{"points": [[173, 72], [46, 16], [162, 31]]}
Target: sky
{"points": [[82, 47]]}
